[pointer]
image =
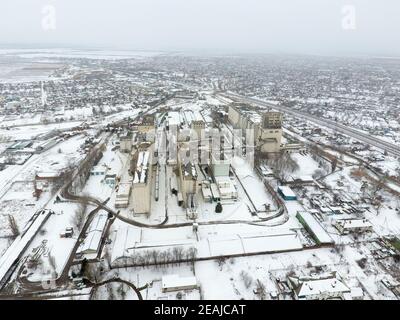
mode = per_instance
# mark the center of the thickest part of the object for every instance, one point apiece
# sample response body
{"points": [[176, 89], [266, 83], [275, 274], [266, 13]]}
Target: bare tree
{"points": [[121, 291], [78, 219], [92, 272], [147, 257], [378, 185], [13, 226], [260, 290], [110, 291], [247, 279], [177, 254], [155, 255], [192, 254], [283, 165]]}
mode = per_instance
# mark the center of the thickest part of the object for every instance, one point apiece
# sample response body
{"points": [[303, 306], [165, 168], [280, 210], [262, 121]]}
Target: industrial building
{"points": [[234, 116], [226, 188], [267, 129], [46, 145], [20, 145], [272, 119], [126, 141], [98, 171], [91, 244], [123, 195], [110, 179], [315, 229], [220, 164], [192, 206], [188, 183], [265, 171], [271, 132], [174, 282], [242, 117], [206, 191], [146, 125], [173, 121], [215, 192], [198, 126], [286, 193], [142, 177]]}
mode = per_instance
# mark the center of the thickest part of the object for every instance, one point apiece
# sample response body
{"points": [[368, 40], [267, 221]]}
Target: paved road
{"points": [[390, 148]]}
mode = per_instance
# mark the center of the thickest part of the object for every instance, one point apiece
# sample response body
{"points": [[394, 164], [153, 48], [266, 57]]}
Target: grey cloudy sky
{"points": [[271, 26]]}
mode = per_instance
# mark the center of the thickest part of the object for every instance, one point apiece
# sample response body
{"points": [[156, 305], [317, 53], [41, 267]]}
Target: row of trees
{"points": [[157, 258]]}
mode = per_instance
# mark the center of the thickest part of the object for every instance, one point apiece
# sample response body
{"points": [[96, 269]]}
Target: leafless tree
{"points": [[177, 254], [121, 290], [155, 255], [13, 226], [147, 257], [318, 174], [283, 165], [78, 219], [92, 272], [260, 290], [378, 185], [192, 254], [110, 291], [221, 262], [247, 279]]}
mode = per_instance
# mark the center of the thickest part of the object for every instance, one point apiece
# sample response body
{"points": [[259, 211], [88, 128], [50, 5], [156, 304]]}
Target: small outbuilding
{"points": [[174, 282], [286, 193]]}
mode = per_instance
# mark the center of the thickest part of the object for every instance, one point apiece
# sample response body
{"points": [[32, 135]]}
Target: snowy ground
{"points": [[16, 185], [237, 278]]}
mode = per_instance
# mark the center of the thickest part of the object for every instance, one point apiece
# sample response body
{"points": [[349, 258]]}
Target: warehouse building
{"points": [[198, 126], [146, 125], [226, 188], [174, 282], [192, 206], [286, 193], [206, 191], [142, 177], [96, 230], [271, 132], [126, 141], [173, 121], [98, 171], [315, 229], [123, 195], [187, 178], [234, 116], [220, 164], [20, 145]]}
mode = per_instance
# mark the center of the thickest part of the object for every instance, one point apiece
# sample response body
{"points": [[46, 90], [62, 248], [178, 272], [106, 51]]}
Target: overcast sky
{"points": [[270, 26]]}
